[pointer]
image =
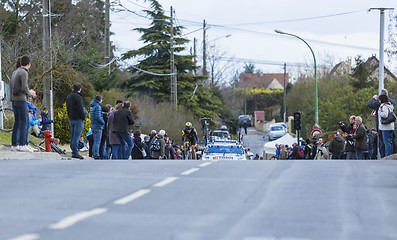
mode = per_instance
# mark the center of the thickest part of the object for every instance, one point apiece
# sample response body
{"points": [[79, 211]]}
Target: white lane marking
{"points": [[205, 164], [73, 219], [190, 171], [132, 197], [165, 182], [29, 236], [273, 238]]}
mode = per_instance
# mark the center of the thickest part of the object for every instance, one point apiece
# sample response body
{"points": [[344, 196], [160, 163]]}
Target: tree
{"points": [[360, 77], [154, 57]]}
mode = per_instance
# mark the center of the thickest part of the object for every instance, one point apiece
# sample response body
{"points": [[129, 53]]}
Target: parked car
{"points": [[276, 131], [245, 117], [221, 151]]}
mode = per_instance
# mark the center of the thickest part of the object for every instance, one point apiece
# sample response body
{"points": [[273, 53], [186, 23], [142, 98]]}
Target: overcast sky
{"points": [[251, 24]]}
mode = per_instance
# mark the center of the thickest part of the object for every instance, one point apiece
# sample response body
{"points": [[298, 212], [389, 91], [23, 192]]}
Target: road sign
{"points": [[316, 126], [315, 132]]}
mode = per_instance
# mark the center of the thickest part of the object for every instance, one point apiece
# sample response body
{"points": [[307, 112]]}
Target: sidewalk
{"points": [[7, 154]]}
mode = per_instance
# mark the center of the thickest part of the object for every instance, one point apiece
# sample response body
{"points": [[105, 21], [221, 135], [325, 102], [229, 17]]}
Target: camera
{"points": [[341, 123]]}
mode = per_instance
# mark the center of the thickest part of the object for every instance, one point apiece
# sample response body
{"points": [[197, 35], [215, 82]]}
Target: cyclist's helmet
{"points": [[188, 125]]}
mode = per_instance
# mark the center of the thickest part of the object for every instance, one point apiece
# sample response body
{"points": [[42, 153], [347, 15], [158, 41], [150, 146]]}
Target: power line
{"points": [[298, 19]]}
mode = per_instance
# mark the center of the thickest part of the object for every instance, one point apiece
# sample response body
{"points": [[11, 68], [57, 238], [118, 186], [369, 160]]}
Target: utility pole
{"points": [[204, 50], [1, 90], [194, 53], [284, 95], [381, 46], [47, 49], [107, 34], [381, 54], [174, 96]]}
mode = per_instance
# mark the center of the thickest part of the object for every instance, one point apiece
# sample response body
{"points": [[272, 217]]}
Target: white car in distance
{"points": [[276, 131]]}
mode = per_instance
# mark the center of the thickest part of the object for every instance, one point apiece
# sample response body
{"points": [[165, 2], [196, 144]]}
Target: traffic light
{"points": [[297, 120]]}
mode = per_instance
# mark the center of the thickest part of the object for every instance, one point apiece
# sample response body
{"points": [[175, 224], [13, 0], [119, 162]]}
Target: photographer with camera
{"points": [[348, 128]]}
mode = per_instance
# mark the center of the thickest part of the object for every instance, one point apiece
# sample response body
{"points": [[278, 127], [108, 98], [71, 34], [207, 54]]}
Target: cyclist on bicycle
{"points": [[189, 137]]}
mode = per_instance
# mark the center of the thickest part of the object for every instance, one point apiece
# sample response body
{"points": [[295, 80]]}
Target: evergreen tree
{"points": [[154, 57]]}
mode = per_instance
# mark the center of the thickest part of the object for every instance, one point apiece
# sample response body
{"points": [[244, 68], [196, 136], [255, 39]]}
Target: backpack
{"points": [[300, 151], [155, 145]]}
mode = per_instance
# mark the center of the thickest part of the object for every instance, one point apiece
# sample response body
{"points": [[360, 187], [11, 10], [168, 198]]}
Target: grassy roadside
{"points": [[5, 138]]}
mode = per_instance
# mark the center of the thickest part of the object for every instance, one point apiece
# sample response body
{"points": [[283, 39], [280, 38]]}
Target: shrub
{"points": [[62, 127], [159, 116]]}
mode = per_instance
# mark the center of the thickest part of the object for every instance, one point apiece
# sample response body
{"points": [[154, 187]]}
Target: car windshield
{"points": [[220, 134], [276, 128], [244, 117], [224, 149]]}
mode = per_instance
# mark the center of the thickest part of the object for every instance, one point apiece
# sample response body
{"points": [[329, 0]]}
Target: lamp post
{"points": [[315, 72]]}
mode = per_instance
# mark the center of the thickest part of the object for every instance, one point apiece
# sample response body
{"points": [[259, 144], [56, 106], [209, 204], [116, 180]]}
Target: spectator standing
{"points": [[374, 103], [336, 146], [283, 152], [90, 140], [158, 154], [386, 129], [76, 114], [314, 147], [257, 157], [19, 90], [349, 148], [348, 128], [146, 142], [113, 139], [45, 120], [122, 122], [104, 148], [360, 139], [245, 126], [169, 149], [278, 151], [322, 152], [307, 150], [97, 125], [139, 146]]}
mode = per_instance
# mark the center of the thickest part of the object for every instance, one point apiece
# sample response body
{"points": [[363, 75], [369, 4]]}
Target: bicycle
{"points": [[7, 118], [187, 152]]}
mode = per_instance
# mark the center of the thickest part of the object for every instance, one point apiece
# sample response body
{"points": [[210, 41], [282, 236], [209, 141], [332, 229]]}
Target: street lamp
{"points": [[315, 73]]}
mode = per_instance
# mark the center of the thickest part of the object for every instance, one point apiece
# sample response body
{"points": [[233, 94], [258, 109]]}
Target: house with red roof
{"points": [[268, 81]]}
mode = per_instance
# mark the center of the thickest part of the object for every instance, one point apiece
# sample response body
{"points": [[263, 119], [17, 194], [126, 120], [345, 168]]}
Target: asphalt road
{"points": [[226, 200], [255, 141]]}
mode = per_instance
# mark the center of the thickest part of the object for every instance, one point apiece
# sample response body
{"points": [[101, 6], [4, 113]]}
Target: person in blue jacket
{"points": [[45, 120], [97, 124]]}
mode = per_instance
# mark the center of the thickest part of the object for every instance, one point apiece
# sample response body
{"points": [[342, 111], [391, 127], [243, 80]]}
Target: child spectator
{"points": [[45, 120]]}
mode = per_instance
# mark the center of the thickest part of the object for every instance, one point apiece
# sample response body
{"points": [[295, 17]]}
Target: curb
{"points": [[8, 155]]}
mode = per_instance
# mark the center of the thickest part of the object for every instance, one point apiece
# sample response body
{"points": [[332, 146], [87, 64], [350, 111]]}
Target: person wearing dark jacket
{"points": [[122, 122], [374, 104], [76, 114], [113, 139], [97, 125], [348, 128], [314, 148], [45, 120], [360, 139], [139, 146], [105, 146], [349, 148], [336, 145], [146, 142]]}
